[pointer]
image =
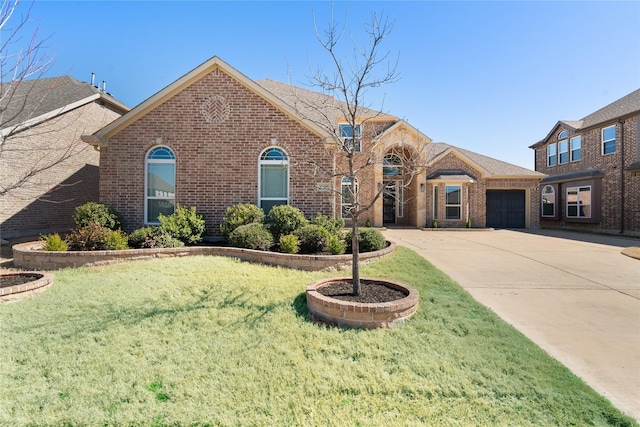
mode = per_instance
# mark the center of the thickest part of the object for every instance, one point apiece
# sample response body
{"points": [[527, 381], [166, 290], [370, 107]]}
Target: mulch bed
{"points": [[8, 280], [371, 292]]}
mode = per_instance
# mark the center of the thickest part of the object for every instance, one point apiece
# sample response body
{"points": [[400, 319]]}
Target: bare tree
{"points": [[353, 127]]}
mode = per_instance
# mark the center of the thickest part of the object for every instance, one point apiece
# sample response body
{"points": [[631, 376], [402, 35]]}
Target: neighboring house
{"points": [[215, 138], [45, 169], [593, 168]]}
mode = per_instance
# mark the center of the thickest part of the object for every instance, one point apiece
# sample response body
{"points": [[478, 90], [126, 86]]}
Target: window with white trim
{"points": [[349, 134], [435, 202], [576, 148], [160, 184], [552, 156], [453, 201], [563, 151], [347, 197], [273, 178], [579, 202], [548, 201], [609, 140]]}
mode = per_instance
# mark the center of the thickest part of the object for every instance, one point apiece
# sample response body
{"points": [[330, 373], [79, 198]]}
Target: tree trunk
{"points": [[355, 251]]}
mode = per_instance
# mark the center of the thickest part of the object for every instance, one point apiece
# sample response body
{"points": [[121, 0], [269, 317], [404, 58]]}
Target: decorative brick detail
{"points": [[12, 293]]}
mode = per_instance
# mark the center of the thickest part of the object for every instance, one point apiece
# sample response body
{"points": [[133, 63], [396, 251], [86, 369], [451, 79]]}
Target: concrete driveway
{"points": [[574, 295]]}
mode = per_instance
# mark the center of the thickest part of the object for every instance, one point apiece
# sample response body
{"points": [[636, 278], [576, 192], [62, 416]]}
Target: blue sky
{"points": [[491, 77]]}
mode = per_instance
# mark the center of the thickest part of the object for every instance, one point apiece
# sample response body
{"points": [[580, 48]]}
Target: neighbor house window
{"points": [[552, 157], [563, 151], [160, 184], [435, 202], [347, 197], [350, 135], [609, 140], [273, 178], [453, 201], [579, 202], [548, 201], [576, 148]]}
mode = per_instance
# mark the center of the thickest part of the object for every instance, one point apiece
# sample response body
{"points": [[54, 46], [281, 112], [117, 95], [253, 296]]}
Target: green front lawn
{"points": [[214, 341]]}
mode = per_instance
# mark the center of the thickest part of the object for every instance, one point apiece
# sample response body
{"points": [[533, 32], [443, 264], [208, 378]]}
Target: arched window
{"points": [[273, 178], [391, 166], [548, 201], [347, 197], [160, 184], [563, 135]]}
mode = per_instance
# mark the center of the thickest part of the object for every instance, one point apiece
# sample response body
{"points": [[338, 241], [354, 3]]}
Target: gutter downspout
{"points": [[622, 192]]}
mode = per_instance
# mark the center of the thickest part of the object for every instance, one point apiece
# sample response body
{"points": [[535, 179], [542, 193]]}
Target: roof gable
{"points": [[101, 137]]}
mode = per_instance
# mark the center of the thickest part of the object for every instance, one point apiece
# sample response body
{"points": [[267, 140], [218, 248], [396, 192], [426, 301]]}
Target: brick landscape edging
{"points": [[30, 256], [11, 293]]}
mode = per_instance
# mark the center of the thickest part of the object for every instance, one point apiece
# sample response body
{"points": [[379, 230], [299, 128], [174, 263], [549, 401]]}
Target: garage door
{"points": [[506, 208]]}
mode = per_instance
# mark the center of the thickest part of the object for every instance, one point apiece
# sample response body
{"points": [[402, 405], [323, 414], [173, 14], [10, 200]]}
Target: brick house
{"points": [[45, 169], [215, 138], [593, 168]]}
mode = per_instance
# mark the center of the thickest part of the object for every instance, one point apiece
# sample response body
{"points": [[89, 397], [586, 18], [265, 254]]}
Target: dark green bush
{"points": [[240, 214], [184, 224], [331, 224], [251, 236], [289, 244], [54, 243], [96, 237], [153, 237], [313, 239], [335, 245], [99, 213], [285, 219], [370, 239]]}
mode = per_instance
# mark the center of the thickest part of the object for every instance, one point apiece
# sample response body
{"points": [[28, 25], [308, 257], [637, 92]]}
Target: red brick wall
{"points": [[216, 162], [613, 166], [46, 202]]}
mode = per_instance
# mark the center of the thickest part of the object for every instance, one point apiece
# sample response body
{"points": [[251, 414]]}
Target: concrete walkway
{"points": [[574, 295]]}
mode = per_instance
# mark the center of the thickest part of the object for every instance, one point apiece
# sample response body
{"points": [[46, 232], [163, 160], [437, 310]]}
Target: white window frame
{"points": [[347, 141], [579, 204], [608, 141], [172, 196], [345, 189], [573, 149], [553, 155], [545, 194], [563, 148], [284, 163], [435, 202], [448, 205]]}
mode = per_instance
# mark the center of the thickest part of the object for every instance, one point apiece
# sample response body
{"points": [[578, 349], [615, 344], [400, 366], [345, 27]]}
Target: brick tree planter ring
{"points": [[335, 312], [15, 286]]}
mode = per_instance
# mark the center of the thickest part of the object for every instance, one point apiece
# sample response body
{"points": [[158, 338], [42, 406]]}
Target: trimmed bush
{"points": [[335, 245], [94, 237], [240, 214], [251, 236], [370, 239], [117, 240], [313, 239], [331, 224], [153, 237], [289, 244], [184, 224], [98, 213], [285, 219], [54, 243]]}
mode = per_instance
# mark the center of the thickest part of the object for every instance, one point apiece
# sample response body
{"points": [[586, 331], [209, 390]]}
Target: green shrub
{"points": [[117, 240], [251, 236], [184, 224], [153, 237], [370, 239], [289, 244], [54, 243], [99, 213], [335, 245], [313, 239], [331, 224], [240, 214], [285, 219], [91, 237]]}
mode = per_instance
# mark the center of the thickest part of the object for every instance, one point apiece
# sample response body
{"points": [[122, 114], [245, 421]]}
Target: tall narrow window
{"points": [[348, 196], [435, 202], [609, 140], [579, 202], [273, 178], [350, 136], [548, 201], [160, 184], [552, 157], [563, 151], [576, 148], [453, 201]]}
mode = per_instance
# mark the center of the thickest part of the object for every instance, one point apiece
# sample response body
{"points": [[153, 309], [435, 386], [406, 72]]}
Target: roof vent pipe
{"points": [[104, 86], [93, 79]]}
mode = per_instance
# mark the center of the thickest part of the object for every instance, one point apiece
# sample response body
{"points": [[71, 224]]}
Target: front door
{"points": [[389, 197]]}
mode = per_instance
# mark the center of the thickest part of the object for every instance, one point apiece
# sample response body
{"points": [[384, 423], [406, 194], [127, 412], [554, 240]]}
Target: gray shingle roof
{"points": [[27, 99], [624, 106], [573, 176]]}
